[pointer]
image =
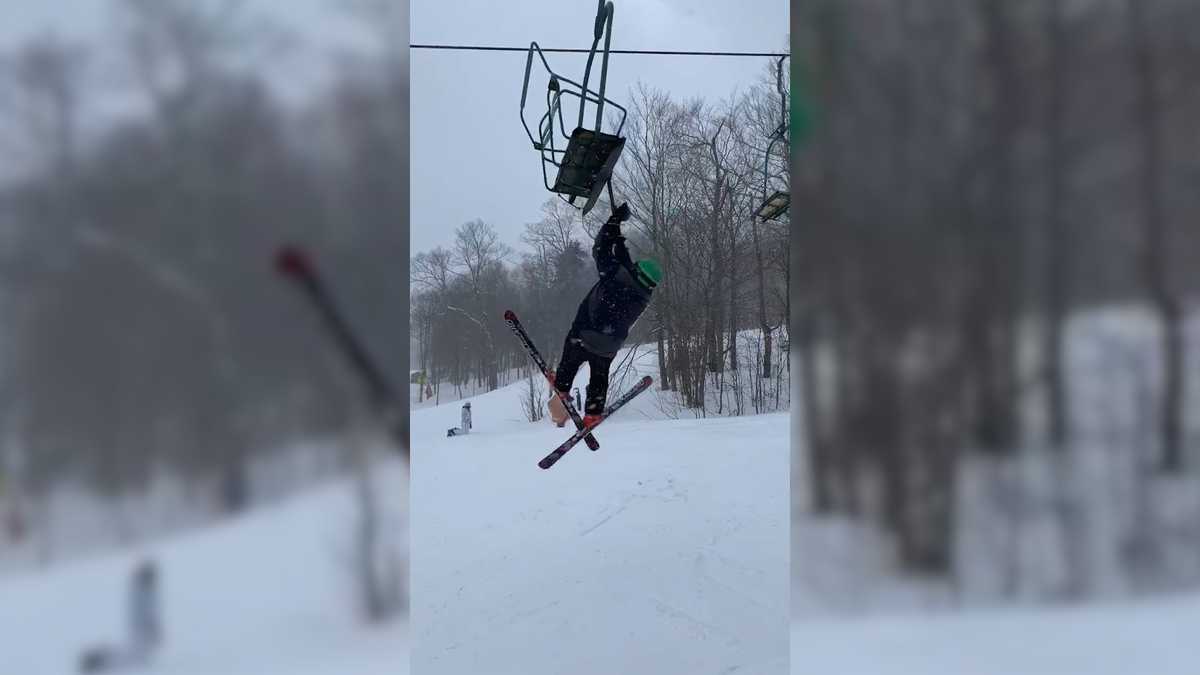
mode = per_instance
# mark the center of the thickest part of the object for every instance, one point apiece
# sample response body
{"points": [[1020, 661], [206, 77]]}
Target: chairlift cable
{"points": [[651, 52]]}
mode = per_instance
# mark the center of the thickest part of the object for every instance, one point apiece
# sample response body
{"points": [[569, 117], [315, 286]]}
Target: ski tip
{"points": [[647, 380], [509, 315], [549, 460], [292, 261]]}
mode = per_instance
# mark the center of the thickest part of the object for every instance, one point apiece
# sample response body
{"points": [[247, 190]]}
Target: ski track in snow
{"points": [[663, 552]]}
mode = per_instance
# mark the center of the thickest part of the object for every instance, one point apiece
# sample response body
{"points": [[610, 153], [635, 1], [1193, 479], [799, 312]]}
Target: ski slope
{"points": [[269, 592], [664, 552], [1133, 639]]}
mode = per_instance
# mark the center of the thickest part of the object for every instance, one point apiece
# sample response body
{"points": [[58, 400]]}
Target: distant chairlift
{"points": [[777, 204], [584, 166]]}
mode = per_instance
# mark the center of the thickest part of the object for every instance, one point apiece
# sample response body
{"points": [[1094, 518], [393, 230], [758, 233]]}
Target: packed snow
{"points": [[1127, 639], [665, 551], [268, 592]]}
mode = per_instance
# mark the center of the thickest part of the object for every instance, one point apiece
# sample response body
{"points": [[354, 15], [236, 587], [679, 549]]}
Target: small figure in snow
{"points": [[604, 318], [145, 627], [465, 421], [145, 623]]}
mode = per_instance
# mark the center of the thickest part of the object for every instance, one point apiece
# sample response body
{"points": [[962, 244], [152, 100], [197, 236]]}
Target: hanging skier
{"points": [[604, 318]]}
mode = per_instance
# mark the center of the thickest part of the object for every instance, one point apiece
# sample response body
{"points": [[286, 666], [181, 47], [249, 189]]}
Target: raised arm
{"points": [[609, 250], [602, 249]]}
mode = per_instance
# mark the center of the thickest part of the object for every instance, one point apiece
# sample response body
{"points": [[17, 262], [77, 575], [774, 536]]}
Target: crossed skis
{"points": [[582, 433], [294, 264]]}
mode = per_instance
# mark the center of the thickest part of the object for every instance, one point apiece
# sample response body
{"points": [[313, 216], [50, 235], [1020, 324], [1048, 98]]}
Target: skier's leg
{"points": [[597, 387], [572, 358]]}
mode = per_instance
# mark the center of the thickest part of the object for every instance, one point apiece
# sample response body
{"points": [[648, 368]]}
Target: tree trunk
{"points": [[1156, 263], [849, 452], [664, 379], [820, 474], [762, 299], [998, 260], [1057, 257], [733, 318]]}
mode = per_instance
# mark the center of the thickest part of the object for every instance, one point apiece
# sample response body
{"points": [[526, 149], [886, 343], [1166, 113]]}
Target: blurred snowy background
{"points": [[165, 395], [996, 465]]}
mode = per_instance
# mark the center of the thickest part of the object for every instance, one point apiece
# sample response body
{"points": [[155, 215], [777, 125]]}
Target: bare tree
{"points": [[555, 231], [1156, 259], [479, 253], [533, 400], [46, 77], [377, 569]]}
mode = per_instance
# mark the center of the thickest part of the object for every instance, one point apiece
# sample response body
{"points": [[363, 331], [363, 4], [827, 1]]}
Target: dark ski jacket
{"points": [[615, 302]]}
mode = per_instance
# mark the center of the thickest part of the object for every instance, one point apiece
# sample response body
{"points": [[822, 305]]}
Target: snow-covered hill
{"points": [[664, 552], [270, 592]]}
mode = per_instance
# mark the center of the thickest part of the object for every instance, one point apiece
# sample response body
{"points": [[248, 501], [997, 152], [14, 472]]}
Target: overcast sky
{"points": [[321, 24], [292, 47], [470, 155]]}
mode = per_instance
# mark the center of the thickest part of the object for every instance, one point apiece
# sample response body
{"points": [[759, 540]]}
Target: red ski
{"points": [[549, 460]]}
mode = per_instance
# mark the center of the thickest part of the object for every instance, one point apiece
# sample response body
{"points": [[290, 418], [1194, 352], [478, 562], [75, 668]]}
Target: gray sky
{"points": [[320, 24], [470, 155], [292, 49]]}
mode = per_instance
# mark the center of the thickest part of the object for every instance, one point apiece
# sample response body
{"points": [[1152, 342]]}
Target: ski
{"points": [[514, 324], [294, 264], [549, 460]]}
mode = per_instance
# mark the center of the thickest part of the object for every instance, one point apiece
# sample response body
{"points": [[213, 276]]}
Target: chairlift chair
{"points": [[584, 159], [777, 204]]}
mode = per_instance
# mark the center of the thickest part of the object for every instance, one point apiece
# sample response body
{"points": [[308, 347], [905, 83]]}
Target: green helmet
{"points": [[649, 274]]}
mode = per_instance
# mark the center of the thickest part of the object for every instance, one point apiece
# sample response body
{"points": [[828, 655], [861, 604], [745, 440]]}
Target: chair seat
{"points": [[587, 164]]}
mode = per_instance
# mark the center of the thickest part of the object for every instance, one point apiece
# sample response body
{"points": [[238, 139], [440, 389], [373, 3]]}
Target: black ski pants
{"points": [[575, 355]]}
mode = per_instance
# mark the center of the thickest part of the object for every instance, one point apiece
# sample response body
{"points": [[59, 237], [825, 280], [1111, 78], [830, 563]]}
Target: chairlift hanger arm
{"points": [[606, 10], [782, 129], [597, 33], [584, 165], [555, 84]]}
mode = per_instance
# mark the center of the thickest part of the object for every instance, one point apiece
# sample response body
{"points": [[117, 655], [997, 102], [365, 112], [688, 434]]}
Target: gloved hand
{"points": [[620, 215], [611, 230]]}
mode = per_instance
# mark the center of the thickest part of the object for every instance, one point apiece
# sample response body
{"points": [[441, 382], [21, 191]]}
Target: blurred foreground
{"points": [[271, 591]]}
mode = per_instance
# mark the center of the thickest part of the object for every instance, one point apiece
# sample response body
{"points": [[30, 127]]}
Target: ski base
{"points": [[557, 454], [514, 325]]}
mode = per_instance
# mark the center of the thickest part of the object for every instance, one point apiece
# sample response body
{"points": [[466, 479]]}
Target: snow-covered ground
{"points": [[853, 613], [664, 552], [269, 592], [1149, 637], [75, 523]]}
